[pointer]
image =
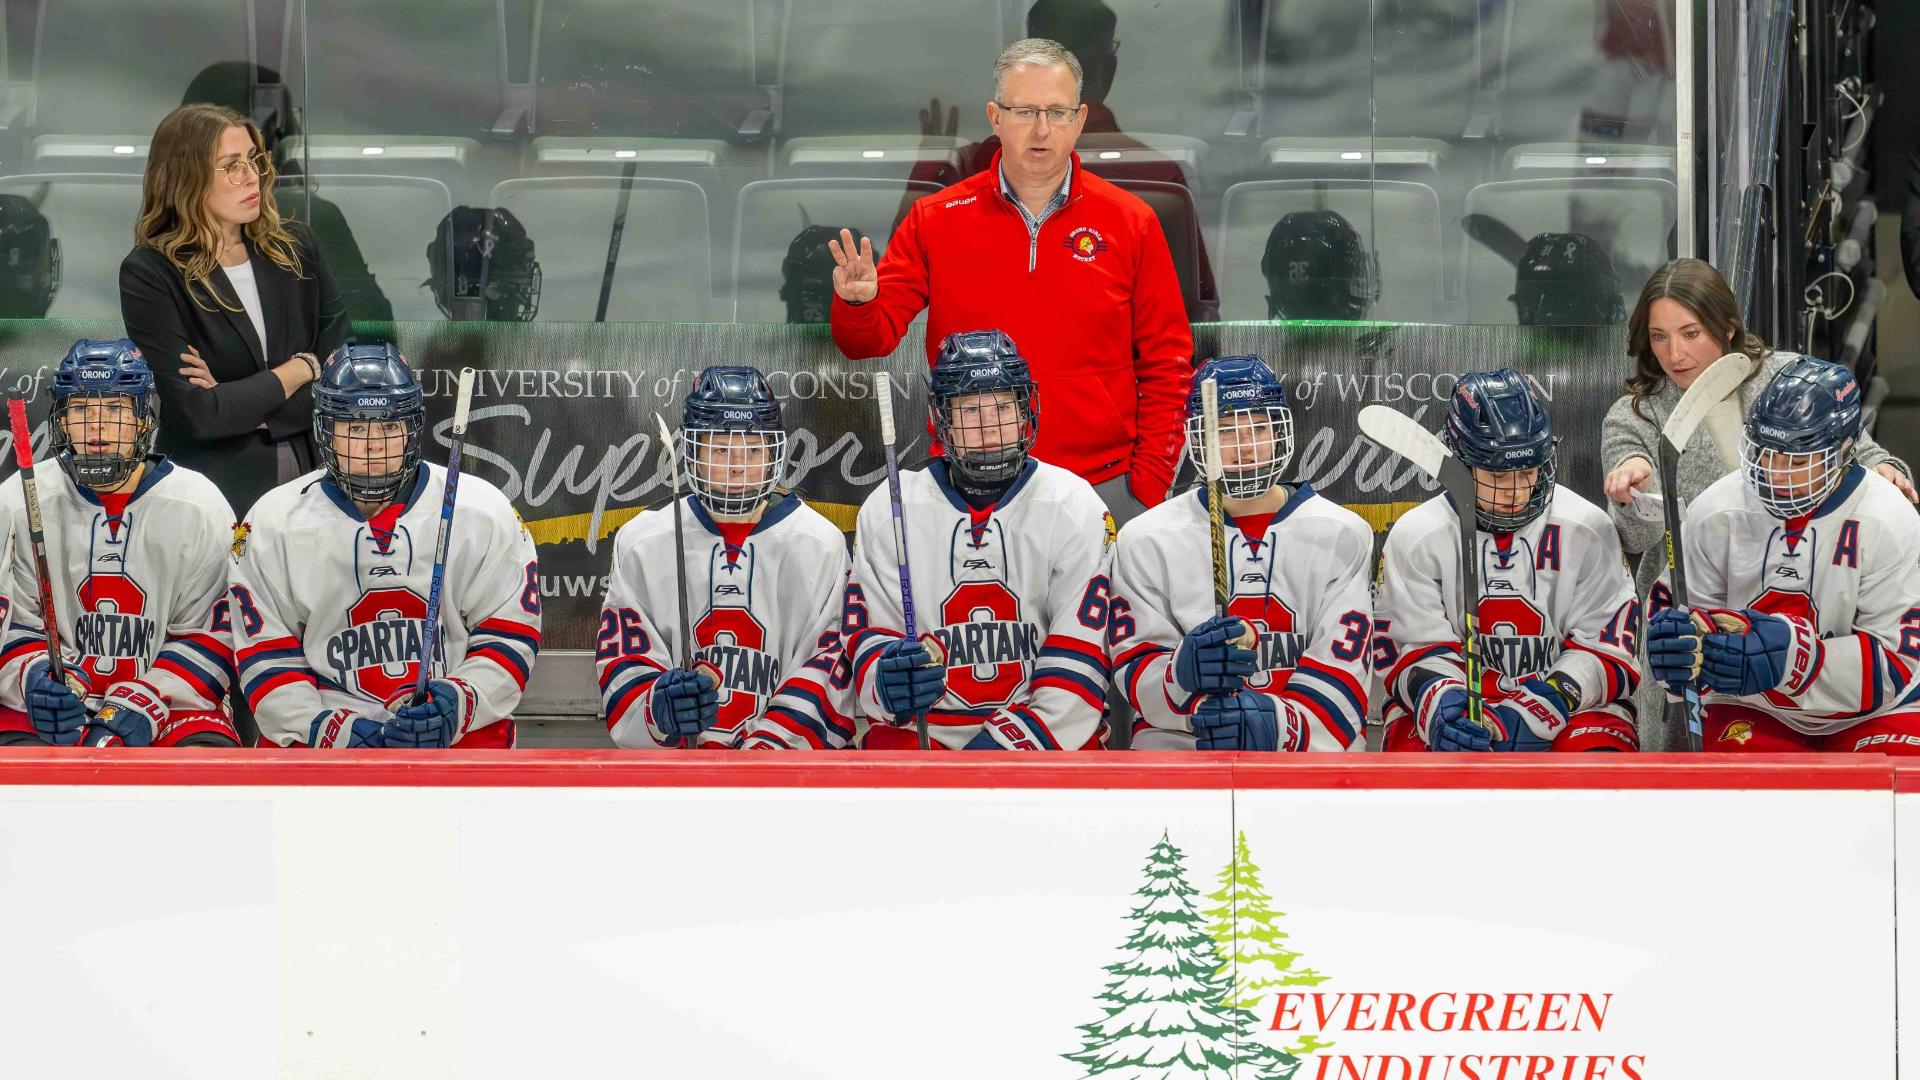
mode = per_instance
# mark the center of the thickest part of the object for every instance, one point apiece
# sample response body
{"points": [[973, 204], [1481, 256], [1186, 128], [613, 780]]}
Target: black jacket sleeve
{"points": [[154, 305], [1910, 222]]}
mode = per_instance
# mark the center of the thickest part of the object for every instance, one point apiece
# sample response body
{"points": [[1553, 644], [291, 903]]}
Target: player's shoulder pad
{"points": [[1572, 508], [1419, 525], [806, 521], [1880, 506], [286, 505], [1175, 513], [1729, 494], [196, 489], [487, 502]]}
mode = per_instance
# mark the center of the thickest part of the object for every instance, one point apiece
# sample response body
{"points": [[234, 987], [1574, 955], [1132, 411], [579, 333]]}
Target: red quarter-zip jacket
{"points": [[1091, 301]]}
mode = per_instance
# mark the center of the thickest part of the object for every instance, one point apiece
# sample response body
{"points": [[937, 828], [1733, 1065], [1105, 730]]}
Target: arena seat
{"points": [[1398, 220], [1179, 220], [1356, 157], [78, 89], [1177, 68], [687, 72], [901, 156], [89, 153], [443, 159], [1533, 161], [771, 213], [1633, 217], [389, 219], [865, 67], [92, 215], [664, 268], [375, 67]]}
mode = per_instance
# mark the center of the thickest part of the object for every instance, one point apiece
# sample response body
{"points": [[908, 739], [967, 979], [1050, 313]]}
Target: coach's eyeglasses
{"points": [[238, 169], [1027, 114]]}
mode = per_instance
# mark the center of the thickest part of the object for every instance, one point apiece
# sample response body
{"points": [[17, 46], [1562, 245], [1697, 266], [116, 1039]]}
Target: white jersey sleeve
{"points": [[1602, 615], [1414, 629], [498, 603], [811, 710], [269, 633], [630, 651]]}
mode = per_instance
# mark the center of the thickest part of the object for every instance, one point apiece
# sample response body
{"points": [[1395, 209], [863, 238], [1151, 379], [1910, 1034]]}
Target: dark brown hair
{"points": [[173, 199], [1698, 287]]}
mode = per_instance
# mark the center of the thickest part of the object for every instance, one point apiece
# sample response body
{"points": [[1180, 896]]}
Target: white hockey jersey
{"points": [[1554, 596], [1852, 572], [329, 608], [139, 596], [1014, 595], [1300, 581], [765, 613]]}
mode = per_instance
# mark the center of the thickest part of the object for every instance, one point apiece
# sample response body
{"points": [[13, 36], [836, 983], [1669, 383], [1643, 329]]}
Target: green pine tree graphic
{"points": [[1167, 1014], [1258, 962]]}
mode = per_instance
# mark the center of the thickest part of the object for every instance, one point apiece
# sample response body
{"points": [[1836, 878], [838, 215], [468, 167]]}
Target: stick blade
{"points": [[668, 448], [1722, 377], [1403, 435]]}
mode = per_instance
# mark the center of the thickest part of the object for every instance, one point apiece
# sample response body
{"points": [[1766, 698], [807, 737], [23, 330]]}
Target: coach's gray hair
{"points": [[1039, 52]]}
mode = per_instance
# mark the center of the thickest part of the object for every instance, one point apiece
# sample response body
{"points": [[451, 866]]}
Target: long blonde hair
{"points": [[173, 199]]}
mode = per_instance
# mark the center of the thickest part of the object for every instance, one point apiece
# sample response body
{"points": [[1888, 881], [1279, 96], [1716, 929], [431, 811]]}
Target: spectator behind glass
{"points": [[806, 274], [230, 83], [1317, 268], [480, 265], [29, 260], [231, 306]]}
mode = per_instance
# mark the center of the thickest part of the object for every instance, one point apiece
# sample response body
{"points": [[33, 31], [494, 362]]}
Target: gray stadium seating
{"points": [[664, 266], [1398, 220], [771, 212]]}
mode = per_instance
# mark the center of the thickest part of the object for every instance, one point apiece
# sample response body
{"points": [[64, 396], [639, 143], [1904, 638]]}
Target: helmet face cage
{"points": [[1793, 484], [101, 437], [360, 455], [1256, 446], [732, 470], [1496, 507], [986, 434]]}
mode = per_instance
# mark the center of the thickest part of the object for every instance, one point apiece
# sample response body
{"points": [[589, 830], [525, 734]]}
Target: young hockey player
{"points": [[1803, 573], [1556, 615], [1007, 559], [1298, 567], [330, 585], [765, 574], [137, 549]]}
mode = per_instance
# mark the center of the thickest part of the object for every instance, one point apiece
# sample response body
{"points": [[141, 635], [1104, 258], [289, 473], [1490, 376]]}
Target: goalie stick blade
{"points": [[1722, 377], [1403, 435]]}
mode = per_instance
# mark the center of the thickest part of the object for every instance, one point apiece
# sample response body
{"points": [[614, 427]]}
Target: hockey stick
{"points": [[36, 537], [671, 451], [1215, 480], [430, 635], [909, 623], [1404, 436], [613, 241], [1722, 377]]}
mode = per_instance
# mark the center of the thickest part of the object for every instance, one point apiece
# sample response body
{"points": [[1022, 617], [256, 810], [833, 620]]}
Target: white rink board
{"points": [[373, 932]]}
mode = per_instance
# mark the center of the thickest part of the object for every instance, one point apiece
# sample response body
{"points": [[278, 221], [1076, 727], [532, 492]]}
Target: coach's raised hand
{"points": [[854, 278]]}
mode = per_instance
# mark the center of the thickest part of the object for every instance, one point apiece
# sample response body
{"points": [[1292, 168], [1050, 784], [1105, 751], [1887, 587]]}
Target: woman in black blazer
{"points": [[232, 307]]}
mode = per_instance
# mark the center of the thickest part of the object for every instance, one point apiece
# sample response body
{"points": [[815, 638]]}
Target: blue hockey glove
{"points": [[58, 716], [1752, 652], [684, 703], [909, 681], [1673, 647], [338, 727], [1444, 708], [1210, 660], [1531, 715], [1245, 720], [432, 724]]}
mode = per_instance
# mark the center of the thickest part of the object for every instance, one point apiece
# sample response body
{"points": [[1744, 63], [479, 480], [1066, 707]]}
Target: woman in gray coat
{"points": [[1686, 319]]}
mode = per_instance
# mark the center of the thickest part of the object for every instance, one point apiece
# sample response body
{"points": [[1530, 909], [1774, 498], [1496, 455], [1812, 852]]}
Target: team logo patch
{"points": [[1112, 531], [1085, 242], [1740, 731], [240, 531]]}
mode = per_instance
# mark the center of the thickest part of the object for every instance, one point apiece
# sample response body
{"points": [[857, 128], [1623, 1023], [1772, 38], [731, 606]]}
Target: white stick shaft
{"points": [[883, 389], [463, 401], [1210, 428]]}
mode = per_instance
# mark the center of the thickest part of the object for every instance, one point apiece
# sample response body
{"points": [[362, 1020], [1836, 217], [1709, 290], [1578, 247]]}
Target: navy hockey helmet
{"points": [[1256, 427], [484, 254], [1800, 434], [733, 446], [1566, 279], [1317, 268], [29, 260], [1497, 421], [806, 273], [99, 447], [976, 376], [370, 385]]}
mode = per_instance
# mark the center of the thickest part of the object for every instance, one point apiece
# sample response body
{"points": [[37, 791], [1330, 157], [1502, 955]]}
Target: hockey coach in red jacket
{"points": [[1074, 269]]}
